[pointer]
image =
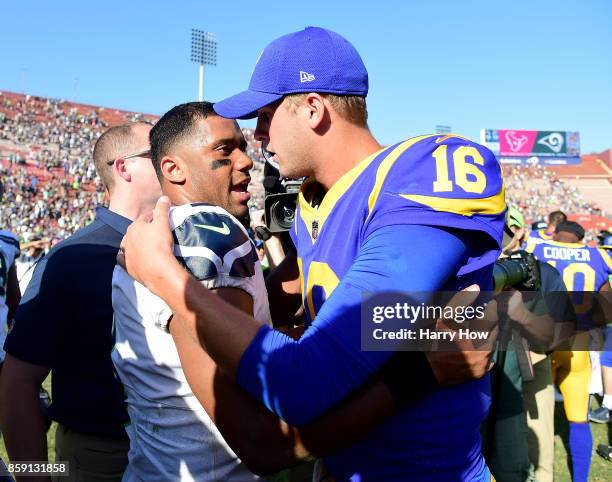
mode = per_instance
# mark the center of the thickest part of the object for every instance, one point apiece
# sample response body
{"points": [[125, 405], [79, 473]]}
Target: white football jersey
{"points": [[171, 435], [9, 252]]}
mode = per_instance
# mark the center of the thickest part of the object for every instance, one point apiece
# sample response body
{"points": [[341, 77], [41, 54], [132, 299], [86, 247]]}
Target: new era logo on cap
{"points": [[306, 77]]}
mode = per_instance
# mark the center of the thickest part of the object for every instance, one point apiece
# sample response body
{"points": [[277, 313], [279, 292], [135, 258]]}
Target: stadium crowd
{"points": [[51, 209], [51, 183], [536, 191], [51, 186]]}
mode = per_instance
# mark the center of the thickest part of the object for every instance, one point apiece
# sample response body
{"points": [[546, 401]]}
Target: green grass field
{"points": [[601, 470]]}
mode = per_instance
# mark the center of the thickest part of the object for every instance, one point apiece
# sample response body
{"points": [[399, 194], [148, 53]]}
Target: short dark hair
{"points": [[176, 124], [571, 227], [556, 217]]}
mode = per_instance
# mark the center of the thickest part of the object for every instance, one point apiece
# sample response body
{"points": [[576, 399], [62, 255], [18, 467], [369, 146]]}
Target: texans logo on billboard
{"points": [[530, 147], [516, 142]]}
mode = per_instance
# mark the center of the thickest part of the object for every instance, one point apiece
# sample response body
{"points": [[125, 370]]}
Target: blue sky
{"points": [[469, 64]]}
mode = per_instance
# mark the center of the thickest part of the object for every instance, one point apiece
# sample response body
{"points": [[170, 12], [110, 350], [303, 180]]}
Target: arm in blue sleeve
{"points": [[299, 380]]}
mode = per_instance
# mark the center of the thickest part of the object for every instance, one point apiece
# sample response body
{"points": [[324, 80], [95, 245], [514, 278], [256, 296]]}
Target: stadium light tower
{"points": [[203, 51]]}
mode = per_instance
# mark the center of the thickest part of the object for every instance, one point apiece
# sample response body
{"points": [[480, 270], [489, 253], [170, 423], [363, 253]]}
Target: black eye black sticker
{"points": [[217, 163]]}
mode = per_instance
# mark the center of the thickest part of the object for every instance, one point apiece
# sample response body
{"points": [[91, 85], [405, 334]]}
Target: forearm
{"points": [[223, 330], [274, 251], [352, 420], [285, 290], [23, 426], [261, 440], [540, 331]]}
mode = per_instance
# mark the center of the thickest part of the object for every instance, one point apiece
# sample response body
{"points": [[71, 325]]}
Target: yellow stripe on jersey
{"points": [[465, 207], [449, 136], [309, 213], [544, 234], [387, 164], [530, 246], [606, 258], [299, 263]]}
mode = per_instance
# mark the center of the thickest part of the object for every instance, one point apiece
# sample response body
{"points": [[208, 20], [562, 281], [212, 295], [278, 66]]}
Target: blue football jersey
{"points": [[583, 268], [446, 181], [442, 181]]}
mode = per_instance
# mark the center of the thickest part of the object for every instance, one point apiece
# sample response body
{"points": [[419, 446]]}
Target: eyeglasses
{"points": [[146, 154]]}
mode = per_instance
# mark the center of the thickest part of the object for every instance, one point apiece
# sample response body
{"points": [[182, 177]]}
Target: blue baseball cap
{"points": [[311, 60]]}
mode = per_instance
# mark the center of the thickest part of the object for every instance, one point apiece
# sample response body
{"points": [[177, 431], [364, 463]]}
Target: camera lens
{"points": [[282, 213]]}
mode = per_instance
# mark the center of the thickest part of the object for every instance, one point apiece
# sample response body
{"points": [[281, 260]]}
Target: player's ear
{"points": [[316, 109], [173, 169], [121, 168]]}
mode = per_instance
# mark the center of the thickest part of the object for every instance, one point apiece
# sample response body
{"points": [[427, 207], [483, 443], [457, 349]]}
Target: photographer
{"points": [[520, 435]]}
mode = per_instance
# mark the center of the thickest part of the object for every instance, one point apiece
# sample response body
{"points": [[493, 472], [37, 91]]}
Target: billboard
{"points": [[533, 147]]}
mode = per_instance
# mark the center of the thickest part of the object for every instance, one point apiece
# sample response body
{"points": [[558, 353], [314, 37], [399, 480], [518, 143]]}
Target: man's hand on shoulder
{"points": [[463, 360], [146, 250]]}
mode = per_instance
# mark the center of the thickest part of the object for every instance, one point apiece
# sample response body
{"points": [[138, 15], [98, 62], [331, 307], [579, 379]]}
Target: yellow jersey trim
{"points": [[387, 164], [530, 246], [309, 214], [450, 136], [606, 257], [465, 207], [544, 234]]}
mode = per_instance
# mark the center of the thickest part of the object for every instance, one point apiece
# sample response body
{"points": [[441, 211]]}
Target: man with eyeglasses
{"points": [[63, 326]]}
